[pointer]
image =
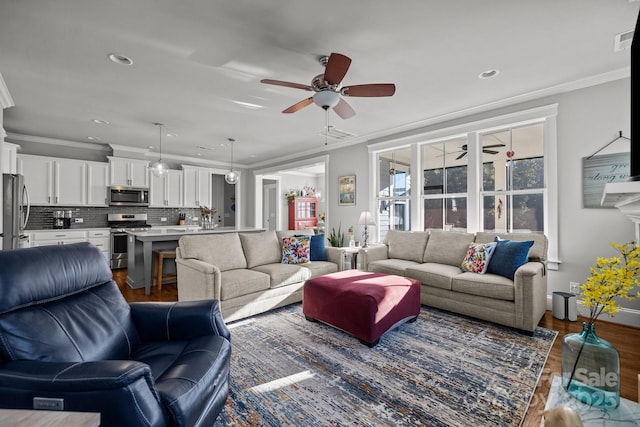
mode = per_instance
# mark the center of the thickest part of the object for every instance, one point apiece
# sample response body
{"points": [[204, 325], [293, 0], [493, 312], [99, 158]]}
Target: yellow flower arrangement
{"points": [[611, 278]]}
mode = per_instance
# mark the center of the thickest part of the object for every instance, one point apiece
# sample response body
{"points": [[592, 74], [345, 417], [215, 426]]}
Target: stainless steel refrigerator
{"points": [[15, 211]]}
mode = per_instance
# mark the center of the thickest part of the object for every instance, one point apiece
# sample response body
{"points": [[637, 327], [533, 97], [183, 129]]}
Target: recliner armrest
{"points": [[183, 320], [73, 376]]}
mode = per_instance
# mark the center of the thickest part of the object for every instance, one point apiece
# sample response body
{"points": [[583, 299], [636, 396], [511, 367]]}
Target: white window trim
{"points": [[546, 114]]}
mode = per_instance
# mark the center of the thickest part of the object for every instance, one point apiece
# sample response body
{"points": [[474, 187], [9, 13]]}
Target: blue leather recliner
{"points": [[67, 333]]}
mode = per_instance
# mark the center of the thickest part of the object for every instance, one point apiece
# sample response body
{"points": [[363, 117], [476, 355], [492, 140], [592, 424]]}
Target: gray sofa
{"points": [[244, 271], [435, 257]]}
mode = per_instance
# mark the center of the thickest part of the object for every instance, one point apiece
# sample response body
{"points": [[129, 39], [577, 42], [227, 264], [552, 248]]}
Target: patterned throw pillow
{"points": [[478, 257], [295, 249]]}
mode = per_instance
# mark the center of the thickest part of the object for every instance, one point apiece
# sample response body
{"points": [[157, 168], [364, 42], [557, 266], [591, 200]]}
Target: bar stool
{"points": [[158, 267]]}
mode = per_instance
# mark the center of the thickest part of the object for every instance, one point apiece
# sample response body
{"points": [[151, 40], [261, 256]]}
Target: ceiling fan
{"points": [[485, 149], [327, 87]]}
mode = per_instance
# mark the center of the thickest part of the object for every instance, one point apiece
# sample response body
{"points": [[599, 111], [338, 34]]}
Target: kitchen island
{"points": [[141, 244]]}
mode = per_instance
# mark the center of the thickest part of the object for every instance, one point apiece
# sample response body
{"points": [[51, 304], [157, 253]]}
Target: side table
{"points": [[352, 253]]}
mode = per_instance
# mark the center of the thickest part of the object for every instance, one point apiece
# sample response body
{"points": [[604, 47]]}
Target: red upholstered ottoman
{"points": [[363, 304]]}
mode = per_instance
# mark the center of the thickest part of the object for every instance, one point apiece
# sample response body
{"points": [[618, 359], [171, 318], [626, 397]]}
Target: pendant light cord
{"points": [[326, 125]]}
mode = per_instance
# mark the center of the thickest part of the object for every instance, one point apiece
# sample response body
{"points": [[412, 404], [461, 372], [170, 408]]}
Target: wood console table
{"points": [[31, 418]]}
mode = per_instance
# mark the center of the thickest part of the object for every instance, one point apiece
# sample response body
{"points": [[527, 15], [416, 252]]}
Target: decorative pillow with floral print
{"points": [[295, 249], [478, 257]]}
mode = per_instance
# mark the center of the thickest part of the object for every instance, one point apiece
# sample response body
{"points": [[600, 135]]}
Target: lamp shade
{"points": [[366, 218], [326, 98]]}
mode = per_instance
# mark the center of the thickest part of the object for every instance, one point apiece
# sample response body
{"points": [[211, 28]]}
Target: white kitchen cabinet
{"points": [[53, 181], [97, 182], [197, 186], [129, 172], [101, 238], [57, 237], [9, 158], [166, 190]]}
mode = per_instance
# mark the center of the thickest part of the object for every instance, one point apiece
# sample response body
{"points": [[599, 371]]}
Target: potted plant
{"points": [[336, 239]]}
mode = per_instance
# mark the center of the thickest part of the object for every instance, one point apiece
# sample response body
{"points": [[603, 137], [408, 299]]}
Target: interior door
{"points": [[269, 198]]}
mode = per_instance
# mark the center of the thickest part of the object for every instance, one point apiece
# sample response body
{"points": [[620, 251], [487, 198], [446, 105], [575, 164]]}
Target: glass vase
{"points": [[591, 368]]}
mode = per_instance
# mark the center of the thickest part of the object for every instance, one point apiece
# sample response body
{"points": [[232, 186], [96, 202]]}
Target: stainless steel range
{"points": [[120, 224]]}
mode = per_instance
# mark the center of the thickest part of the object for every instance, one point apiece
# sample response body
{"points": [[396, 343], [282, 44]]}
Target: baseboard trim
{"points": [[626, 316]]}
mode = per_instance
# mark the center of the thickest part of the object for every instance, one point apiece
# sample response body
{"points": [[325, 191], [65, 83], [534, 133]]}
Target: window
{"points": [[394, 191], [445, 185], [513, 179]]}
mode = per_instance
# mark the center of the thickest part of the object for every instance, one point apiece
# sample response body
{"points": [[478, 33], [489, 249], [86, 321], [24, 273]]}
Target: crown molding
{"points": [[5, 97], [13, 137]]}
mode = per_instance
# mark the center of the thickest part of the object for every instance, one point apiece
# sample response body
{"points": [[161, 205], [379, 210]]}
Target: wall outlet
{"points": [[574, 287], [79, 220], [163, 219]]}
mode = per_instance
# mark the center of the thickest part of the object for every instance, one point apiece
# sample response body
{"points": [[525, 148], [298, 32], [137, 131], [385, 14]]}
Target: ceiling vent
{"points": [[623, 41], [338, 134]]}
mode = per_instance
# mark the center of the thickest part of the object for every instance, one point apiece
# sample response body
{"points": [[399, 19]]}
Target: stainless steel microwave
{"points": [[128, 196]]}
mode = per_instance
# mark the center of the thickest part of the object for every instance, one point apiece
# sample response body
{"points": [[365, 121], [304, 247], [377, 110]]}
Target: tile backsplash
{"points": [[41, 217]]}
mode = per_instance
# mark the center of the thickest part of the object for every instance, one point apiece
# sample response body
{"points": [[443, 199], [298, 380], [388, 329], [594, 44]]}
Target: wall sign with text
{"points": [[600, 170]]}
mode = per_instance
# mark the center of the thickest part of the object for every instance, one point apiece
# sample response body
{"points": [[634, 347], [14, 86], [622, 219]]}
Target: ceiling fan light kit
{"points": [[328, 90]]}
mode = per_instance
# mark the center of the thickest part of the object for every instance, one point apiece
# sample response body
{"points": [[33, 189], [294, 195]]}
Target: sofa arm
{"points": [[372, 253], [335, 255], [530, 286], [197, 280], [184, 320], [122, 391]]}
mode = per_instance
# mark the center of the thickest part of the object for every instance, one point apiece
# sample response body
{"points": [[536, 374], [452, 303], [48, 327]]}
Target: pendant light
{"points": [[159, 168], [232, 176]]}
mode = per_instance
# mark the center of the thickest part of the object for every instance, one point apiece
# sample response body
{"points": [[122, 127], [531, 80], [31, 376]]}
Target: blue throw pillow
{"points": [[318, 253], [508, 256]]}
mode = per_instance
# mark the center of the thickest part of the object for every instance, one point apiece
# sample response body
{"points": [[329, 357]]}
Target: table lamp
{"points": [[366, 219]]}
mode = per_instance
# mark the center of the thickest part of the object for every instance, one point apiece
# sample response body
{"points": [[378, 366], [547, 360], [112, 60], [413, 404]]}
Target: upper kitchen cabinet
{"points": [[166, 190], [9, 158], [129, 172], [64, 182], [97, 182], [53, 181], [197, 186]]}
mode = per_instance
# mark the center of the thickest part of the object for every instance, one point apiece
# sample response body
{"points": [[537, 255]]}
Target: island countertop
{"points": [[159, 234]]}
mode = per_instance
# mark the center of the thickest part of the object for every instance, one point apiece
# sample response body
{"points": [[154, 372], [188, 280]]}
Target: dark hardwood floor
{"points": [[625, 338]]}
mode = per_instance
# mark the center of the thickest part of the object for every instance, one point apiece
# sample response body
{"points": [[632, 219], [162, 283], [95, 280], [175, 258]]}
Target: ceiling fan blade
{"points": [[286, 84], [494, 145], [336, 68], [374, 89], [344, 110], [298, 105], [461, 155], [490, 151]]}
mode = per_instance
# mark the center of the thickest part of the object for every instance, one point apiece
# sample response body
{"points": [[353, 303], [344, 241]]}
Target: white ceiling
{"points": [[193, 59]]}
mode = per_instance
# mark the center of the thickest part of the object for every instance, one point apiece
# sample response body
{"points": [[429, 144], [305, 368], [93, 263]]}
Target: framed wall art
{"points": [[347, 190]]}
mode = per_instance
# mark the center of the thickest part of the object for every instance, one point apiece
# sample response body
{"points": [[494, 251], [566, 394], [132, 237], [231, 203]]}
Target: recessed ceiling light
{"points": [[93, 138], [172, 135], [120, 59], [488, 74], [100, 122]]}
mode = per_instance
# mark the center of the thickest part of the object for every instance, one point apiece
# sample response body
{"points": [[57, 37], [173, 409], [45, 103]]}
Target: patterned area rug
{"points": [[442, 370]]}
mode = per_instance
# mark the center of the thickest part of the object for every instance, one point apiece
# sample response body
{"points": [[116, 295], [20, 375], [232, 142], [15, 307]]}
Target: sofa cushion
{"points": [[478, 257], [508, 257], [391, 266], [260, 248], [318, 268], [289, 233], [447, 247], [486, 285], [407, 245], [284, 274], [240, 282], [434, 275], [538, 251], [318, 251], [222, 250], [295, 249]]}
